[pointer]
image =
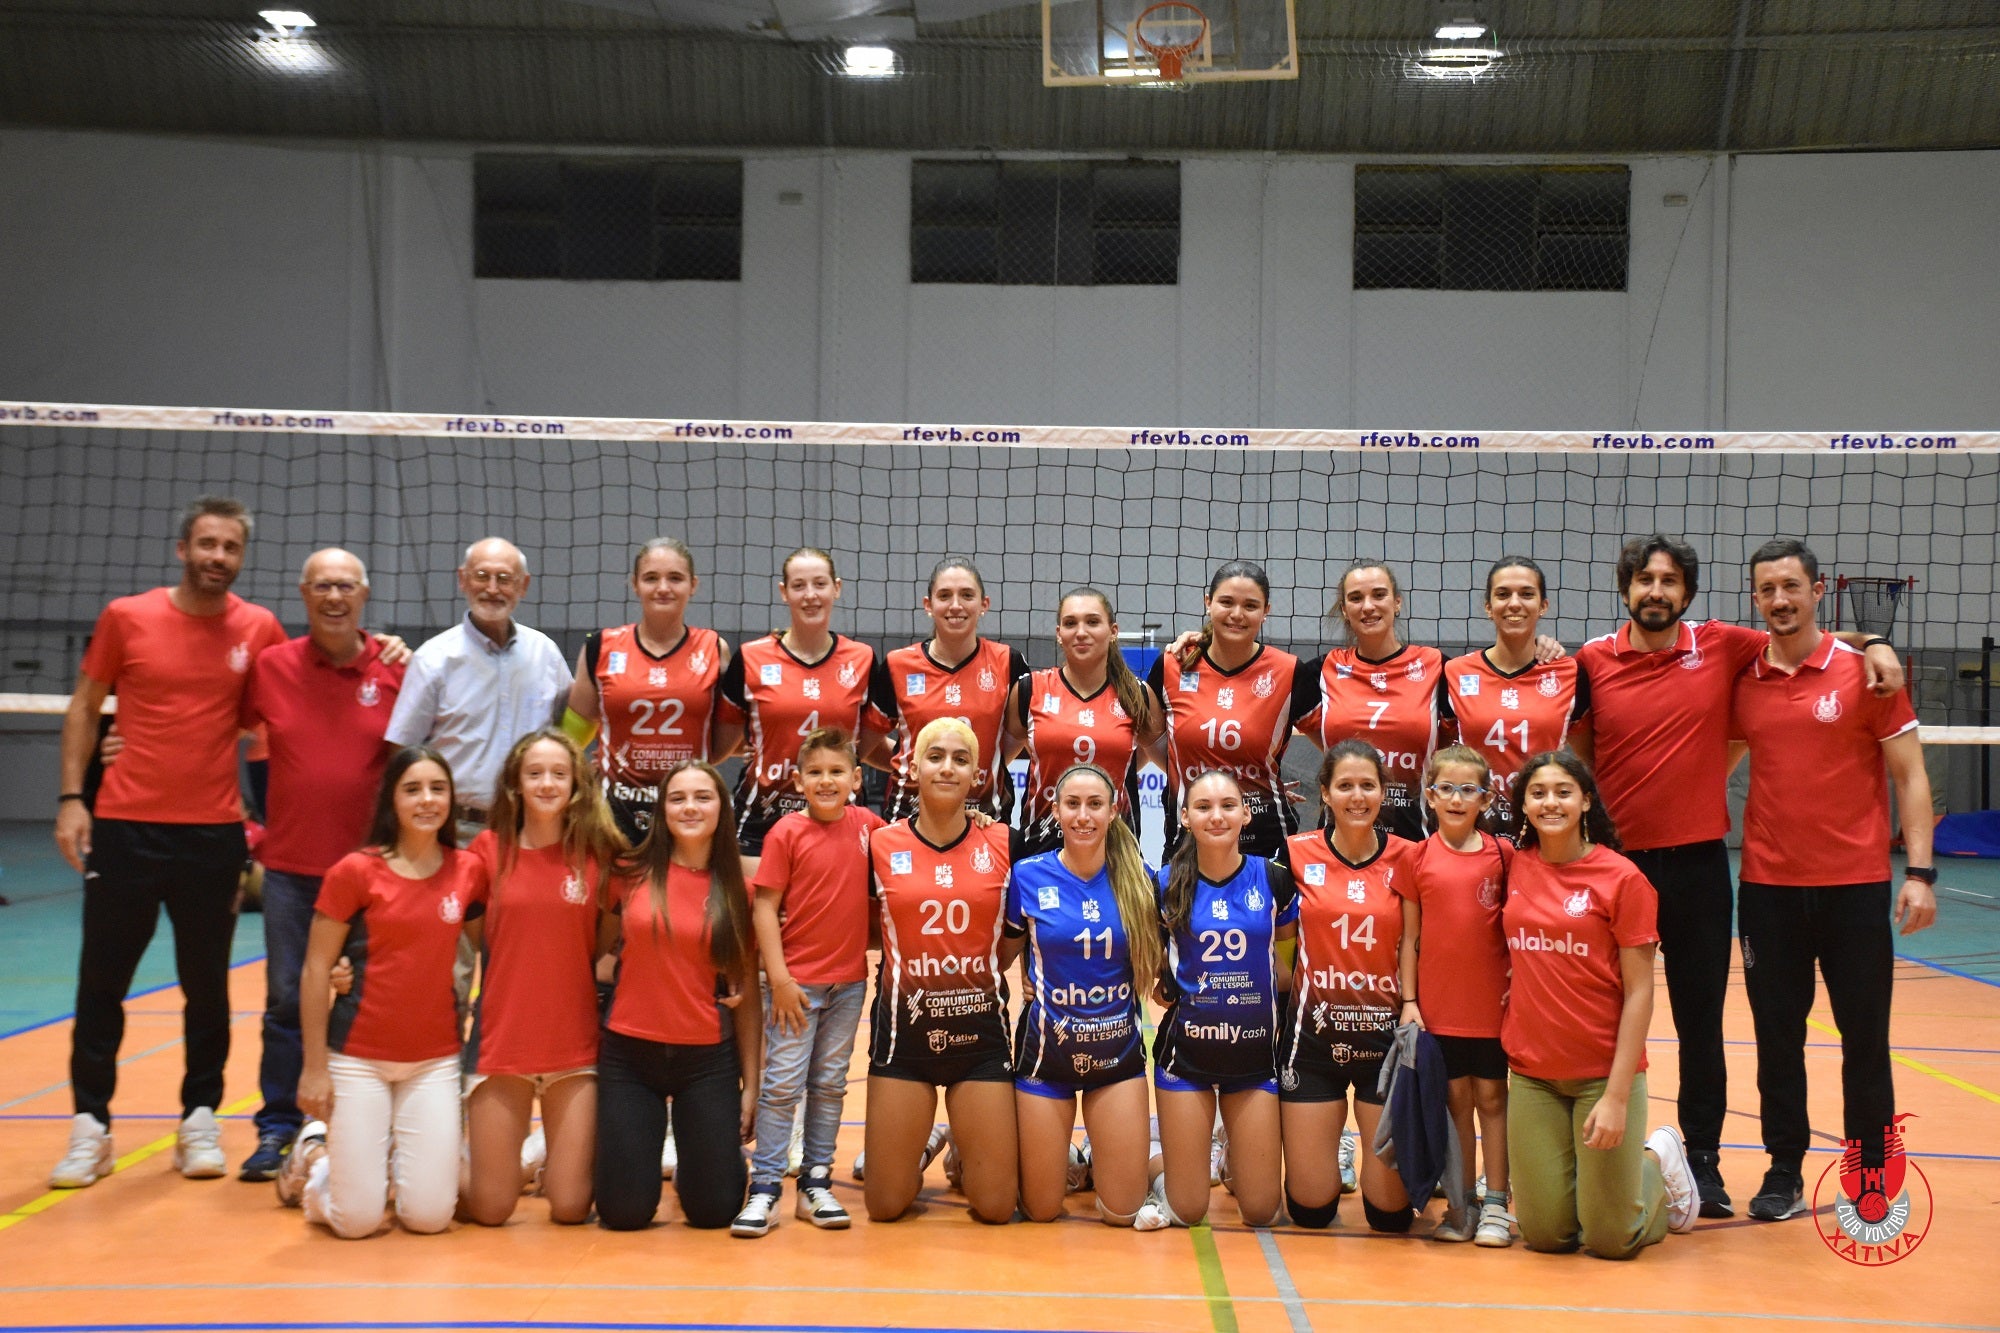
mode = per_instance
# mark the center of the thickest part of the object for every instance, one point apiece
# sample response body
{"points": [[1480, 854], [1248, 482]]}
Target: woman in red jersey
{"points": [[547, 847], [1504, 701], [1580, 932], [783, 687], [1090, 709], [1457, 885], [1354, 931], [382, 1060], [677, 1027], [954, 673], [651, 684], [940, 1020]]}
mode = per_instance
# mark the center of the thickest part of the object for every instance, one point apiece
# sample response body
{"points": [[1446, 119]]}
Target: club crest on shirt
{"points": [[1117, 710], [656, 676], [915, 683], [1091, 911], [1080, 1062], [982, 860], [1691, 661], [451, 909], [1225, 697], [771, 673], [1578, 903], [1266, 685], [954, 695], [699, 662], [810, 687], [1219, 909], [899, 863], [1357, 890], [239, 658], [1048, 897], [1826, 708], [987, 681], [938, 1037], [614, 662], [941, 875], [1510, 699], [1087, 717], [369, 694], [1380, 680], [848, 675], [1548, 686], [1489, 893], [573, 891], [1254, 900], [1468, 685], [1415, 670], [1315, 874]]}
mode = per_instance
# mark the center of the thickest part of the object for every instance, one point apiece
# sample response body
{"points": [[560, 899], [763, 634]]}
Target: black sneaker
{"points": [[1707, 1168], [269, 1159], [1782, 1194], [755, 1219]]}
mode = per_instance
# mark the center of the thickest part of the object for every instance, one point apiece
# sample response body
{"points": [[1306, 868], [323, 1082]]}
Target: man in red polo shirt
{"points": [[1659, 707], [1816, 869], [325, 700], [167, 829]]}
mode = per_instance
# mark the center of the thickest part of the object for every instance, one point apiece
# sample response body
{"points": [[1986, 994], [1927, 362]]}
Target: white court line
{"points": [[1281, 1278], [1967, 892]]}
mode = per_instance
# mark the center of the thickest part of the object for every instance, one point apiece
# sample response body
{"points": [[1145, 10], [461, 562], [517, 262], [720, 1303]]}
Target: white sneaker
{"points": [[1079, 1167], [1456, 1225], [669, 1157], [1218, 1156], [1496, 1227], [89, 1158], [755, 1219], [534, 1160], [817, 1205], [1350, 1167], [954, 1165], [795, 1155], [1683, 1199], [198, 1146], [1153, 1214], [860, 1169], [939, 1140], [307, 1149]]}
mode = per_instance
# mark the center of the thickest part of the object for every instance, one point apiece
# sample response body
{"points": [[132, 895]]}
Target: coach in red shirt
{"points": [[324, 699], [1659, 707], [1816, 871], [167, 829]]}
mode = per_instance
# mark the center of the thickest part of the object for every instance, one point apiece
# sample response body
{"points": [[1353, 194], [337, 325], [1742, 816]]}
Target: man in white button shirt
{"points": [[475, 689]]}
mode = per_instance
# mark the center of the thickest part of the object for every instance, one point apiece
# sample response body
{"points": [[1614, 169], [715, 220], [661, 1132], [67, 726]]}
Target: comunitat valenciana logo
{"points": [[1879, 1214]]}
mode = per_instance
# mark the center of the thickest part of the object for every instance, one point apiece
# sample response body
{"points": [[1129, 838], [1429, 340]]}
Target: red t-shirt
{"points": [[325, 724], [821, 872], [1819, 804], [403, 940], [537, 1011], [668, 986], [1565, 925], [1346, 989], [656, 710], [1659, 725], [919, 689], [1508, 716], [179, 680], [1391, 704], [1461, 948], [938, 989]]}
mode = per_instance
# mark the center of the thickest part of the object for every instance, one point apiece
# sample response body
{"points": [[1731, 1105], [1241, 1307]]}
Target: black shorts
{"points": [[1472, 1057], [988, 1066], [1329, 1082]]}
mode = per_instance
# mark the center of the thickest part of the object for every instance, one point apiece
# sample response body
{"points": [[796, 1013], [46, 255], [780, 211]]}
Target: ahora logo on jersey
{"points": [[1543, 942], [946, 965], [1327, 978], [1077, 997]]}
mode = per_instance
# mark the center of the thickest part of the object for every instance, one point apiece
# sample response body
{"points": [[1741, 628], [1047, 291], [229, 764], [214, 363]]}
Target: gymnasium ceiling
{"points": [[1579, 76]]}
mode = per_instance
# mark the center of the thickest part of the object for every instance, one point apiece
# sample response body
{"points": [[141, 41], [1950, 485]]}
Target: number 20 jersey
{"points": [[1222, 1023], [938, 994]]}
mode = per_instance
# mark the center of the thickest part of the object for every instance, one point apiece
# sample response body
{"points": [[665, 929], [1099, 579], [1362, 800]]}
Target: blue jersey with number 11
{"points": [[1223, 983], [1080, 1025]]}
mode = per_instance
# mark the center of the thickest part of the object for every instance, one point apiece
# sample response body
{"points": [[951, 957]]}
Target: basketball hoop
{"points": [[1872, 604], [1171, 31]]}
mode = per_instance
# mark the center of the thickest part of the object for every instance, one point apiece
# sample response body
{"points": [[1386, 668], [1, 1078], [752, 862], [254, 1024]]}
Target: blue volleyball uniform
{"points": [[1220, 1029], [1079, 1027]]}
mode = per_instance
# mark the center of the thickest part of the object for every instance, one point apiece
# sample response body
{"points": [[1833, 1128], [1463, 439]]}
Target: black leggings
{"points": [[634, 1080]]}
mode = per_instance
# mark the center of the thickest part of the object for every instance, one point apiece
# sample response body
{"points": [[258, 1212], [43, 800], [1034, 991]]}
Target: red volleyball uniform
{"points": [[1819, 805], [1239, 721], [1345, 985], [402, 937], [1509, 716], [669, 989], [1461, 947], [782, 699], [537, 1010], [179, 680], [915, 689], [656, 710], [1065, 728], [1659, 724], [821, 872], [1565, 925], [1391, 705], [937, 993]]}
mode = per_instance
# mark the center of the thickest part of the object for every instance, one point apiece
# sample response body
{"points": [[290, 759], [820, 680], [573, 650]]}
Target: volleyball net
{"points": [[1904, 524]]}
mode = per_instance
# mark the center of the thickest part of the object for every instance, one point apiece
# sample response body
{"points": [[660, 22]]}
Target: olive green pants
{"points": [[1610, 1201]]}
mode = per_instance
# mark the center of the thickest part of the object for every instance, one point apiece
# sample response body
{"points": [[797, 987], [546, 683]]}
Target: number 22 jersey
{"points": [[1221, 1025]]}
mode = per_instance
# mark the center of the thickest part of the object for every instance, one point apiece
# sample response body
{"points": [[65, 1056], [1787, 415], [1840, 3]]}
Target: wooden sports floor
{"points": [[148, 1250]]}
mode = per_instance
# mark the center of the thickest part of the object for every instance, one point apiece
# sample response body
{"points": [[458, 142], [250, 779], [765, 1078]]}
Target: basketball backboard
{"points": [[1112, 43]]}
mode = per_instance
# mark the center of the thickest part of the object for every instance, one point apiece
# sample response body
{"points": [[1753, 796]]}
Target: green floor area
{"points": [[39, 931]]}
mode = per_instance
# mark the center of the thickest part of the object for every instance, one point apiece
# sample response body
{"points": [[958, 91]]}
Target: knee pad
{"points": [[1315, 1219], [1115, 1219], [1392, 1220]]}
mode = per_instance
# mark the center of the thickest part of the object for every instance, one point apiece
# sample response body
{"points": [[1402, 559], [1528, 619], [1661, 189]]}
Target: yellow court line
{"points": [[129, 1160], [1919, 1066]]}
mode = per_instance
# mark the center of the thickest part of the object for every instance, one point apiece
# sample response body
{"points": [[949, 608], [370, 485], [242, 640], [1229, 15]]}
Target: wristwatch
{"points": [[1922, 874]]}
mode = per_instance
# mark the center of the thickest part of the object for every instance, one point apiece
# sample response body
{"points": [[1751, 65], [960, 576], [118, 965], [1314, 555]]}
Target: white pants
{"points": [[393, 1122]]}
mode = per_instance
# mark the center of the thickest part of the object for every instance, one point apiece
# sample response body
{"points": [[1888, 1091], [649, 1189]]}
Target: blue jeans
{"points": [[814, 1064], [288, 913]]}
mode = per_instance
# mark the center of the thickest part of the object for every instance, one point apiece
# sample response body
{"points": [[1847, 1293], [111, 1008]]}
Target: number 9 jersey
{"points": [[1221, 1024]]}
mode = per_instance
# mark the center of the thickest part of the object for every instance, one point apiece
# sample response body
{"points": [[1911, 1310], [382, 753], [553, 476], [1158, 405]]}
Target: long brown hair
{"points": [[1598, 825], [729, 931], [1184, 866], [590, 838], [1125, 866], [383, 829], [1127, 688]]}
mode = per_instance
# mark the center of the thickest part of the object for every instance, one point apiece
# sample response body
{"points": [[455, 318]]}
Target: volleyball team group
{"points": [[674, 966]]}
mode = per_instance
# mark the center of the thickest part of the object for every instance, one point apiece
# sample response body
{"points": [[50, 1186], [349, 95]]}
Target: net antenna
{"points": [[1170, 32]]}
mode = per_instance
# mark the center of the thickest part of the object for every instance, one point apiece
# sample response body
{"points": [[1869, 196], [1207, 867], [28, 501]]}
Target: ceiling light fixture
{"points": [[869, 62], [288, 22], [1458, 32], [1457, 62]]}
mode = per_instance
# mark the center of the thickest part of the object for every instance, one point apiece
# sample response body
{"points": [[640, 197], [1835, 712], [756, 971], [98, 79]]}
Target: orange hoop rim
{"points": [[1169, 55]]}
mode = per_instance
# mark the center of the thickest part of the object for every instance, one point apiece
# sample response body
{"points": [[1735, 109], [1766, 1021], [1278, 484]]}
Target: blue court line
{"points": [[137, 994], [1952, 971]]}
